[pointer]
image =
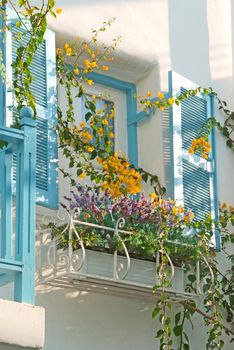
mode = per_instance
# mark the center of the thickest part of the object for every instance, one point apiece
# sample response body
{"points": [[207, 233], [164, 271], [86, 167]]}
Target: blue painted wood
{"points": [[43, 87], [6, 209], [215, 182], [25, 210], [194, 182], [132, 129], [2, 60], [11, 135], [130, 90]]}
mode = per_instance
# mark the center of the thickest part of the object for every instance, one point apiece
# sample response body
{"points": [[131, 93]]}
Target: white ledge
{"points": [[22, 324]]}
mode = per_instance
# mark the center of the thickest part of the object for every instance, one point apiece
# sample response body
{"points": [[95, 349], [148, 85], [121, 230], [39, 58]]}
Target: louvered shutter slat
{"points": [[193, 180], [43, 88]]}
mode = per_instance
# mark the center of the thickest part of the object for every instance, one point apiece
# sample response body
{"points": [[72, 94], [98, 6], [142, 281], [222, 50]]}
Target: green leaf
{"points": [[177, 317], [155, 312], [145, 177], [159, 333], [192, 278], [229, 143], [88, 116], [178, 330]]}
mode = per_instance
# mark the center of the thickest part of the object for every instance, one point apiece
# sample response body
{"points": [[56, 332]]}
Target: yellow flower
{"points": [[105, 122], [162, 108], [149, 93], [175, 210], [160, 95], [87, 63], [76, 130], [66, 46], [85, 46], [82, 124], [94, 97], [204, 155], [58, 11], [82, 176], [111, 135], [99, 111], [191, 150], [59, 51], [90, 149], [105, 68], [171, 100], [108, 142], [100, 132], [76, 71], [153, 196], [89, 82], [69, 51], [147, 103], [93, 64]]}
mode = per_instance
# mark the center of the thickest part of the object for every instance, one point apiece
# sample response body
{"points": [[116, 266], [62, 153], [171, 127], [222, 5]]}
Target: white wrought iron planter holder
{"points": [[100, 271]]}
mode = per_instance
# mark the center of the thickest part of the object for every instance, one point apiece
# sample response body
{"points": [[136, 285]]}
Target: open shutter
{"points": [[43, 87], [193, 179]]}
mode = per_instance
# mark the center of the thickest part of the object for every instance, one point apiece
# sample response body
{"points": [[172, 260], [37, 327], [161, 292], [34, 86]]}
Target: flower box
{"points": [[141, 272]]}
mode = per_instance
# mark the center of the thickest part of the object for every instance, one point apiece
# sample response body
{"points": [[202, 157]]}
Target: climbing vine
{"points": [[90, 141]]}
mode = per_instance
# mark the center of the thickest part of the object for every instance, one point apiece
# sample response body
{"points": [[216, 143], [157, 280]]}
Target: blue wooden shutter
{"points": [[43, 87], [193, 179]]}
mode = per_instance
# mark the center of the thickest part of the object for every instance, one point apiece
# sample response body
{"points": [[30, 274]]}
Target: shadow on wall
{"points": [[83, 320]]}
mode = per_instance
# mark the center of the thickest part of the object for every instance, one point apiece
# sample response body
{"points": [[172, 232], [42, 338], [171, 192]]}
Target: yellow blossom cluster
{"points": [[68, 49], [161, 102], [85, 136], [201, 145], [169, 207], [225, 206], [119, 177]]}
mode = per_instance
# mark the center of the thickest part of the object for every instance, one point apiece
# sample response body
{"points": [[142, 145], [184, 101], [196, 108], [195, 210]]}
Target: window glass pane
{"points": [[101, 105]]}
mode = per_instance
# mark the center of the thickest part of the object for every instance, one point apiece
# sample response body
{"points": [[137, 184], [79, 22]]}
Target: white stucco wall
{"points": [[194, 38]]}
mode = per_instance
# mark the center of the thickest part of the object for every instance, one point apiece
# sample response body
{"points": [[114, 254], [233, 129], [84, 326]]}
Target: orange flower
{"points": [[191, 150], [149, 93], [86, 63], [204, 155]]}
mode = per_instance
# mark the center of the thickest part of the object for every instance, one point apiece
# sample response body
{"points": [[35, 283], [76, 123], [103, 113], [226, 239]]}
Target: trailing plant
{"points": [[159, 225]]}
